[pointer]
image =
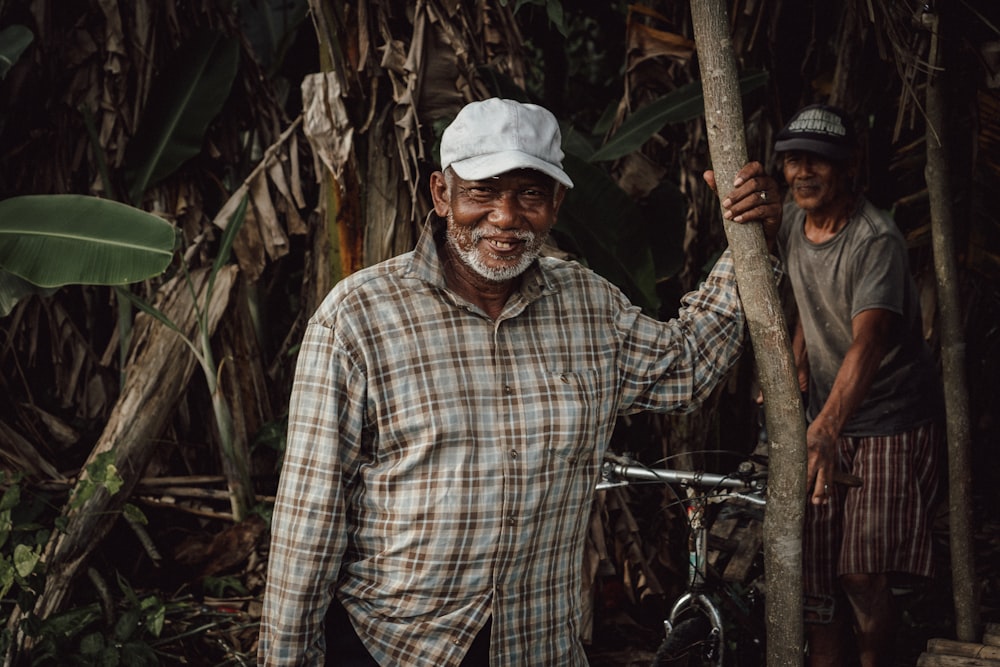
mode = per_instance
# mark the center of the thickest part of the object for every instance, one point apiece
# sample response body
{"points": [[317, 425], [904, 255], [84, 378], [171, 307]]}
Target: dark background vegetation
{"points": [[183, 585]]}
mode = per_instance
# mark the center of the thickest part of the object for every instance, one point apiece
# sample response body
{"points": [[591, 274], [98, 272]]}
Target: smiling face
{"points": [[818, 185], [496, 227]]}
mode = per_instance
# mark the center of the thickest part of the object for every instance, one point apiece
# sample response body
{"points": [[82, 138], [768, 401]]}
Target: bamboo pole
{"points": [[771, 343], [956, 396]]}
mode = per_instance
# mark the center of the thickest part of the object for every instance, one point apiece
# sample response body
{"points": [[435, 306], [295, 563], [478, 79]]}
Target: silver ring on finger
{"points": [[763, 195]]}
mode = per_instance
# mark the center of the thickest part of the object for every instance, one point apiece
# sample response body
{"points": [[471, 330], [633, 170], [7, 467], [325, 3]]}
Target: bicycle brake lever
{"points": [[609, 479]]}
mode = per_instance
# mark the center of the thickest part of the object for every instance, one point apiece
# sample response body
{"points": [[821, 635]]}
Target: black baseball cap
{"points": [[820, 129]]}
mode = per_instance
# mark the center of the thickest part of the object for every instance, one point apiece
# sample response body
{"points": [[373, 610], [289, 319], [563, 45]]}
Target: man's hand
{"points": [[821, 446], [754, 198]]}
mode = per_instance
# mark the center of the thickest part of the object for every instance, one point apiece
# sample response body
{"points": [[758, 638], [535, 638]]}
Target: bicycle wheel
{"points": [[690, 644]]}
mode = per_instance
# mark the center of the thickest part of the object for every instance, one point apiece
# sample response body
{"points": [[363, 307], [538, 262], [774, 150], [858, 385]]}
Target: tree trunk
{"points": [[771, 343], [956, 395]]}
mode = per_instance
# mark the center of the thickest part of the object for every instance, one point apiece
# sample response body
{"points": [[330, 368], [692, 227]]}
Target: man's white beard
{"points": [[472, 255]]}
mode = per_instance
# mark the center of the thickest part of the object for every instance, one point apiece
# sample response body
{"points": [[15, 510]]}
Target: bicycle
{"points": [[717, 613]]}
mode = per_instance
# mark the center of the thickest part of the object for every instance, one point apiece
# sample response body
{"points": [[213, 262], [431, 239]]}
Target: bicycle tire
{"points": [[689, 644]]}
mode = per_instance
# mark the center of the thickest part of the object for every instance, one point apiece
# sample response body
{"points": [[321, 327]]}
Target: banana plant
{"points": [[47, 241]]}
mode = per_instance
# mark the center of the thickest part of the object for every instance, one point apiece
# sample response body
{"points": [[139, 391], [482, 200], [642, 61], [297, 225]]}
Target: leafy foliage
{"points": [[101, 474], [187, 95], [86, 635], [678, 106]]}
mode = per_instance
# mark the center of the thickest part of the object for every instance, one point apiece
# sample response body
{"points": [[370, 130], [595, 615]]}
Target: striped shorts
{"points": [[883, 526]]}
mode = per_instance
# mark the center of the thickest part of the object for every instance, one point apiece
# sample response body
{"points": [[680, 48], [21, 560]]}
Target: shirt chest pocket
{"points": [[562, 408]]}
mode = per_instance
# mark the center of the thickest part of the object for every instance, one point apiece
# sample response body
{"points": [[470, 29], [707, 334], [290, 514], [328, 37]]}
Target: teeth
{"points": [[503, 245]]}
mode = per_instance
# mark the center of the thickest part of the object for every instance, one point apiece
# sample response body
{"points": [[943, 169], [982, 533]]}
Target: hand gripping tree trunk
{"points": [[771, 343], [956, 396]]}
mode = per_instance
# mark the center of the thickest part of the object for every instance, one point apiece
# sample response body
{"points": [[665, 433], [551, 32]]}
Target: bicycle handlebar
{"points": [[745, 482]]}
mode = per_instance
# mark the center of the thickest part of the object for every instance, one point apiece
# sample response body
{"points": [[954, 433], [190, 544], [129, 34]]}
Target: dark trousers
{"points": [[344, 647]]}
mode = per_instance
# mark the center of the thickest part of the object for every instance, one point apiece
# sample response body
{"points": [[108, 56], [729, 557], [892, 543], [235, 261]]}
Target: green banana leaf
{"points": [[14, 39], [683, 104], [54, 240], [186, 96]]}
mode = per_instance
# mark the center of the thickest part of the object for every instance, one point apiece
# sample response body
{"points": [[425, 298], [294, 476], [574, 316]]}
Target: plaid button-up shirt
{"points": [[440, 465]]}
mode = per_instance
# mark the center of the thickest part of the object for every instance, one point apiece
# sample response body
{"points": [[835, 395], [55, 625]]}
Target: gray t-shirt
{"points": [[864, 266]]}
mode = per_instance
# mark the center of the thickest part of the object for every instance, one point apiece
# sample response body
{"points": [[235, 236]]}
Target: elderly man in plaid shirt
{"points": [[450, 411]]}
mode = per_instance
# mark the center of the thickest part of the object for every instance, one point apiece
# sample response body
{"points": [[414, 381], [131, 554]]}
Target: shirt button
{"points": [[563, 378], [511, 521], [513, 453], [507, 389]]}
